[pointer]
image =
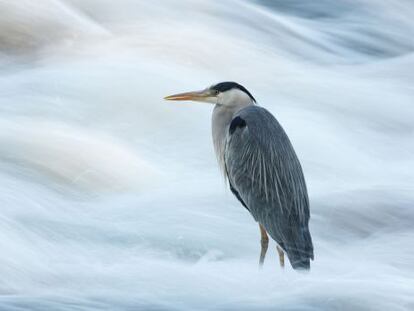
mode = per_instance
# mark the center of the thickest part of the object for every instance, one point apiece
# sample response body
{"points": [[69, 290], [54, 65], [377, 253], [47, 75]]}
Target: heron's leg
{"points": [[264, 243], [281, 256]]}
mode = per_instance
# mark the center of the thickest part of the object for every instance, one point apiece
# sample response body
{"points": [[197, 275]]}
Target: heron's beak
{"points": [[202, 96]]}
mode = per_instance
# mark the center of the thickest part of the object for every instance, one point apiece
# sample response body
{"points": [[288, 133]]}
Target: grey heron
{"points": [[262, 169]]}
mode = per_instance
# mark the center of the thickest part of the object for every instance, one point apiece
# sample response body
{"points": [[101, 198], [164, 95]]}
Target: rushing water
{"points": [[111, 197]]}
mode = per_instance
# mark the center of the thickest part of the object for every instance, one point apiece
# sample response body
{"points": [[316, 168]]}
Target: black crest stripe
{"points": [[225, 86]]}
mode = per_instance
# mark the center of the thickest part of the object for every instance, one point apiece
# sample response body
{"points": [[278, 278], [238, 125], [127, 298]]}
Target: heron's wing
{"points": [[264, 171]]}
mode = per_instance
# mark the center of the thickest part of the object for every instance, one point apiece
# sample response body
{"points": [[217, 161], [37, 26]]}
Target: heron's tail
{"points": [[301, 251], [299, 261]]}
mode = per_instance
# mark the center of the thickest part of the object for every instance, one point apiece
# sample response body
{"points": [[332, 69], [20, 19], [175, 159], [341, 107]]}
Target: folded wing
{"points": [[265, 173]]}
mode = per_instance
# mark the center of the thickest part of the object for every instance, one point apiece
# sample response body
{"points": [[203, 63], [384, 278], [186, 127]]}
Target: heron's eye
{"points": [[216, 92]]}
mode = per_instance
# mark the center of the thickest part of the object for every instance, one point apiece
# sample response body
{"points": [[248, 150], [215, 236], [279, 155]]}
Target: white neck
{"points": [[229, 104]]}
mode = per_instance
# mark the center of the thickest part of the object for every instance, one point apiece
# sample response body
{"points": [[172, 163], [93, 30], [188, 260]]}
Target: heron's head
{"points": [[223, 93]]}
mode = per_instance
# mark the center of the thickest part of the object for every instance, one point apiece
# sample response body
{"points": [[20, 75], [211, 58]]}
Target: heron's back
{"points": [[265, 174]]}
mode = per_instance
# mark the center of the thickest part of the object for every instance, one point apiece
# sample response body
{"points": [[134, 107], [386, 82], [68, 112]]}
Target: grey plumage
{"points": [[265, 172]]}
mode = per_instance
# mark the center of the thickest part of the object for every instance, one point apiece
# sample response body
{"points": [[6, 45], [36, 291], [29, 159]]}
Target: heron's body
{"points": [[263, 170]]}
